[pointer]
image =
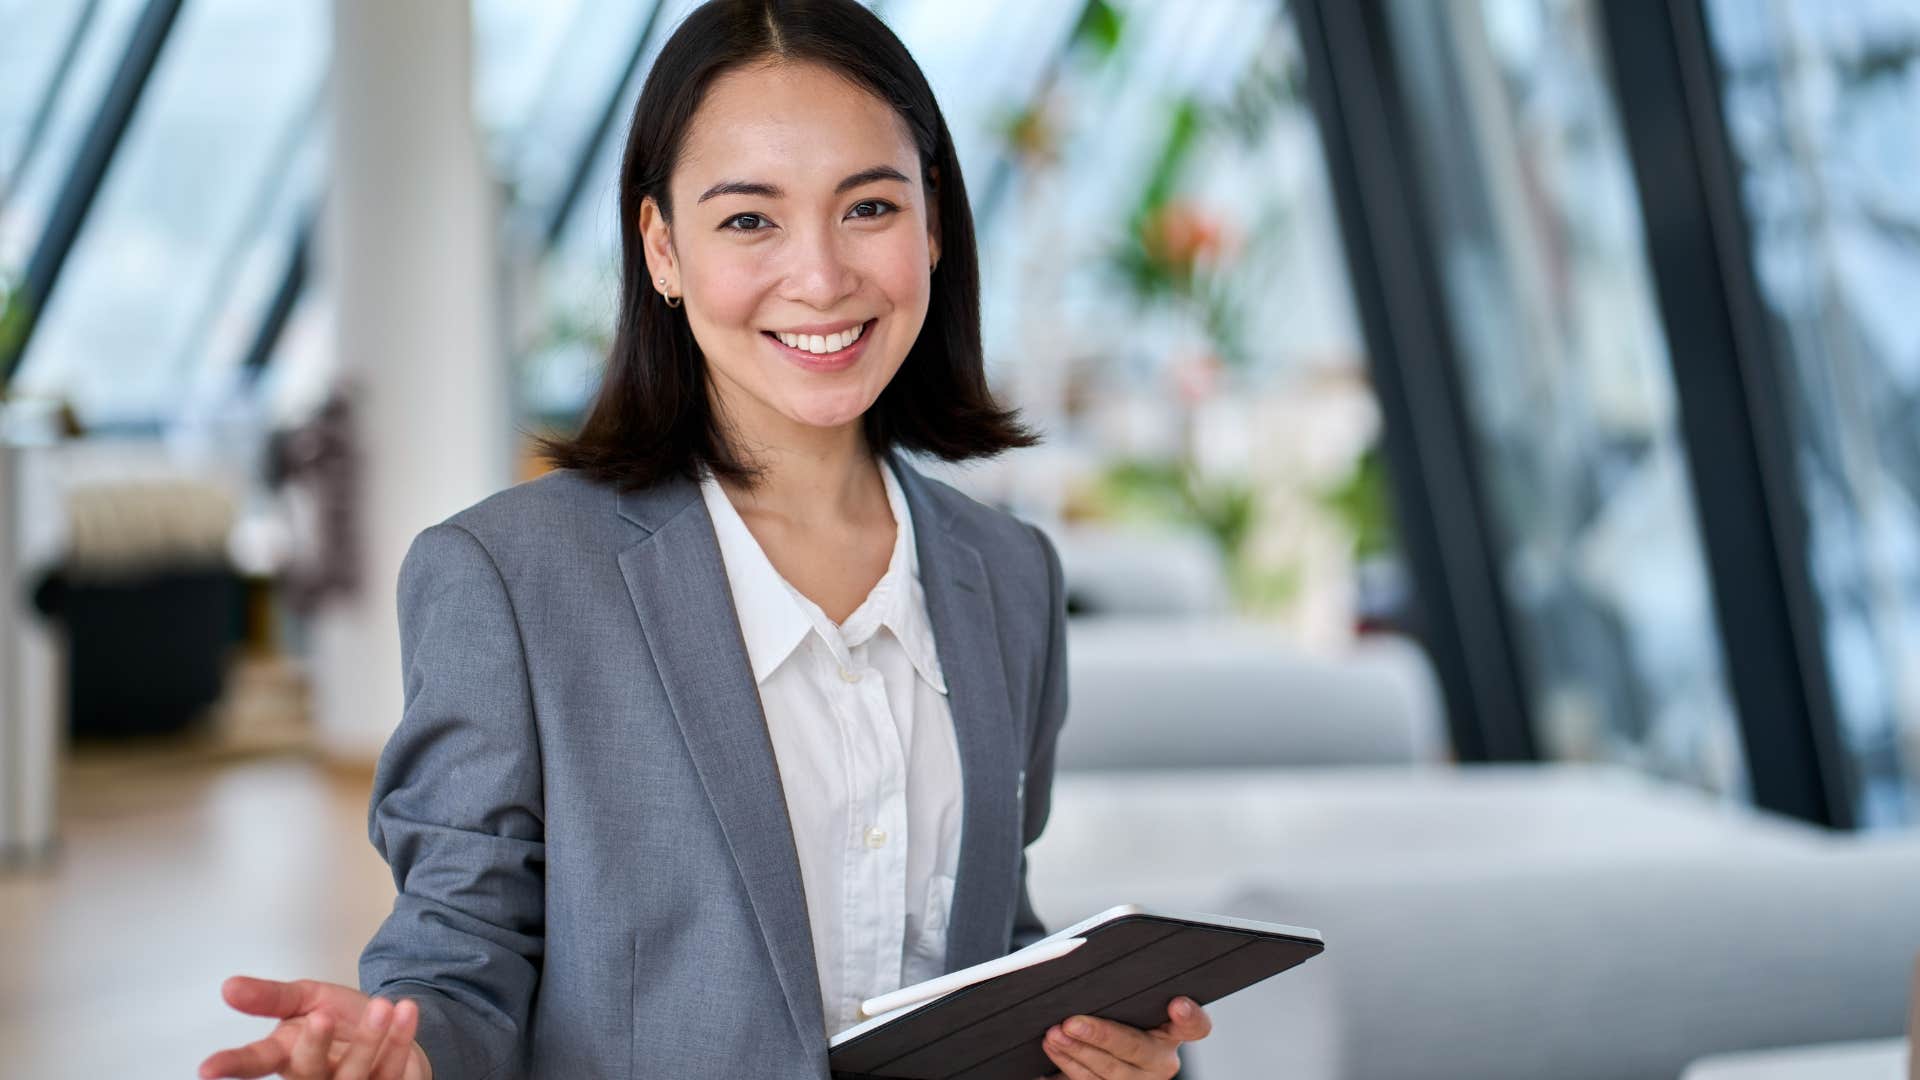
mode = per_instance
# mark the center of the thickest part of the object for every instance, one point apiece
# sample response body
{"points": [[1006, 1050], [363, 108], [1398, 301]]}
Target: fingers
{"points": [[267, 997], [1129, 1044], [369, 1035], [392, 1064], [1186, 1021], [1084, 1061], [1070, 1069], [254, 1059], [310, 1051], [1092, 1047]]}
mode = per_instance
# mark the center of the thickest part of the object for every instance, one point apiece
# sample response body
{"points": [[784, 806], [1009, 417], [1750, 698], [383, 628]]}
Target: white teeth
{"points": [[816, 343]]}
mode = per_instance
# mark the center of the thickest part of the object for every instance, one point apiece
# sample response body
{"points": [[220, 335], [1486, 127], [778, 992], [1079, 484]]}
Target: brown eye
{"points": [[881, 207], [754, 221]]}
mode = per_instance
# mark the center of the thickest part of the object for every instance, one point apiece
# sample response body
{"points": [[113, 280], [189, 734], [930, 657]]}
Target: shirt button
{"points": [[876, 838], [849, 675]]}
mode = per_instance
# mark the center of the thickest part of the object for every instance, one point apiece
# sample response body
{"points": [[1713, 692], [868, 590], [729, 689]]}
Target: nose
{"points": [[818, 272]]}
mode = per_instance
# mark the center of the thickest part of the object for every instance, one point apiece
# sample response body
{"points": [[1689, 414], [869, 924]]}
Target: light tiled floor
{"points": [[173, 873]]}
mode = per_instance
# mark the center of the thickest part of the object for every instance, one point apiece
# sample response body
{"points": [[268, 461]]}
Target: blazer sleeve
{"points": [[1038, 790], [457, 813]]}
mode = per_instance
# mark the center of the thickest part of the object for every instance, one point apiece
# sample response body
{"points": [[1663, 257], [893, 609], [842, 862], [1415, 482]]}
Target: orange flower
{"points": [[1179, 235]]}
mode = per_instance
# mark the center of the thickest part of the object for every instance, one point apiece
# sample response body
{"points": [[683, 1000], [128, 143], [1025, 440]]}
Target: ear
{"points": [[657, 243]]}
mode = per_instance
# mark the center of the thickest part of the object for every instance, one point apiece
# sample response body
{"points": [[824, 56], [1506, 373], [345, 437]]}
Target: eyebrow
{"points": [[770, 191]]}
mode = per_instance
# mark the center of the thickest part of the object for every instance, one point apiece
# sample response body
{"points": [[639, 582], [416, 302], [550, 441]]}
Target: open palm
{"points": [[326, 1032]]}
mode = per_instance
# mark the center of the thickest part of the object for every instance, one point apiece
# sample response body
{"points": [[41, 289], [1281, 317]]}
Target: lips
{"points": [[823, 362]]}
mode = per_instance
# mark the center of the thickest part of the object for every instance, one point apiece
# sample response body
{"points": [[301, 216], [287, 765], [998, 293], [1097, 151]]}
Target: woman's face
{"points": [[800, 219]]}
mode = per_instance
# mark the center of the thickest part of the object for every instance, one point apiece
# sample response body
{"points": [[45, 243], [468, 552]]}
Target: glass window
{"points": [[543, 73], [559, 354], [32, 62], [1567, 383], [1163, 289], [32, 79], [200, 177], [1820, 100]]}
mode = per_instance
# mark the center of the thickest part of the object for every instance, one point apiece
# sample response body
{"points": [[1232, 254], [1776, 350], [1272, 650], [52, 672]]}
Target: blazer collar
{"points": [[992, 758], [678, 586], [652, 507], [677, 581]]}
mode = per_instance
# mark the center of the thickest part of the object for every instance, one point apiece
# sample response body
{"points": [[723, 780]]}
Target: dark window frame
{"points": [[1733, 406], [1666, 88], [1462, 613]]}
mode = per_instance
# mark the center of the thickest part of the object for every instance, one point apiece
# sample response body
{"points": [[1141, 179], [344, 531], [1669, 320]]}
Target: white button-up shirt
{"points": [[867, 756]]}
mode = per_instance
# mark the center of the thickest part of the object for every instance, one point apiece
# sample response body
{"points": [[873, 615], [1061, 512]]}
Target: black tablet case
{"points": [[1128, 971]]}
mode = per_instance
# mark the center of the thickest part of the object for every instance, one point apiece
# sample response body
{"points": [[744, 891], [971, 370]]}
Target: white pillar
{"points": [[33, 671], [409, 251]]}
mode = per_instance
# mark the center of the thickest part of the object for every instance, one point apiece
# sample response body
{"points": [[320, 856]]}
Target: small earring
{"points": [[672, 301]]}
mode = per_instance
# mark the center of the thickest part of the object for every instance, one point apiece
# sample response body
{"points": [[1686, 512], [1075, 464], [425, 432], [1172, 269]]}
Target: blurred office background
{"points": [[1483, 439]]}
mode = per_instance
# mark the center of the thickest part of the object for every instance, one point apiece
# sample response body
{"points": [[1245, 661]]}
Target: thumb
{"points": [[267, 997], [1187, 1021]]}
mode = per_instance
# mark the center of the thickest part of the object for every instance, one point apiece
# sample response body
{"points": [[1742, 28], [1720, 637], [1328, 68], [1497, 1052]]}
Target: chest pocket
{"points": [[927, 951]]}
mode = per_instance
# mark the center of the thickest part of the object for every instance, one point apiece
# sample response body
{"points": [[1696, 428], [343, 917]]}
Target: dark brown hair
{"points": [[651, 418]]}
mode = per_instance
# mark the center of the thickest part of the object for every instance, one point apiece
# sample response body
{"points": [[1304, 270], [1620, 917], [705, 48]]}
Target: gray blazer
{"points": [[581, 806]]}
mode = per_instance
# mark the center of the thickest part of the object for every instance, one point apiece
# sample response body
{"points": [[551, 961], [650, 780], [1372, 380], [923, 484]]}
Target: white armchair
{"points": [[1151, 693]]}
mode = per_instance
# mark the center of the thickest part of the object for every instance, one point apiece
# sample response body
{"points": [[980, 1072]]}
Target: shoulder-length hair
{"points": [[651, 418]]}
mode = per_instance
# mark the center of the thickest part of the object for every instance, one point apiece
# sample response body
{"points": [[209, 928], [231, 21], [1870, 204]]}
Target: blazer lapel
{"points": [[966, 636], [678, 584]]}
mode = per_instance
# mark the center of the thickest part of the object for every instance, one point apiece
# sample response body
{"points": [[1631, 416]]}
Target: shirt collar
{"points": [[899, 600], [775, 617], [770, 622]]}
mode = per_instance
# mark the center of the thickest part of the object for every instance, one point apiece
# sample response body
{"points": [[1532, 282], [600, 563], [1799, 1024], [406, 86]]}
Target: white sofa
{"points": [[1495, 922], [1865, 1059], [1114, 571]]}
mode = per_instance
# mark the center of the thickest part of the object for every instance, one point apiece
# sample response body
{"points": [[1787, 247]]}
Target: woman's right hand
{"points": [[327, 1032]]}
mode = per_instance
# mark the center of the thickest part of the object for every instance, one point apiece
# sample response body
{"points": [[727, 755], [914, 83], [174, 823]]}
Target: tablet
{"points": [[1133, 962]]}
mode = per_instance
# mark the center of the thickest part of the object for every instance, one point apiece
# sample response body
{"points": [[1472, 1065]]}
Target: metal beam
{"points": [[293, 280], [1441, 507], [1733, 412], [89, 170], [50, 95]]}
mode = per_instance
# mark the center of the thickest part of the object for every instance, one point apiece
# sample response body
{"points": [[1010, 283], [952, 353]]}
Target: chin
{"points": [[831, 411]]}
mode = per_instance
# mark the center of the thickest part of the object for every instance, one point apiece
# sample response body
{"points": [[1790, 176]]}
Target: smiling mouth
{"points": [[822, 346]]}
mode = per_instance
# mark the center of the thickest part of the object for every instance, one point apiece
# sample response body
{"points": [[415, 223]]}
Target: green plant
{"points": [[1171, 249], [1170, 491], [1175, 251], [15, 314], [1099, 28], [1360, 503]]}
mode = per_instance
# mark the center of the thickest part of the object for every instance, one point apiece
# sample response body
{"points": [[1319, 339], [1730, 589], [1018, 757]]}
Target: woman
{"points": [[734, 719]]}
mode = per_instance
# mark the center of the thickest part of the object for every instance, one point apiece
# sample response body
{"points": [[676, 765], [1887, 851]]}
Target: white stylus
{"points": [[946, 984]]}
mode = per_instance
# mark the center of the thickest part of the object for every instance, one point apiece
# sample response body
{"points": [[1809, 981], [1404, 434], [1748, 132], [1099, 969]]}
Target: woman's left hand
{"points": [[1089, 1048]]}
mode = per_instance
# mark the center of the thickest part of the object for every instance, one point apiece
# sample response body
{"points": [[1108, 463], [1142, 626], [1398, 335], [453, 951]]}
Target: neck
{"points": [[809, 475]]}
